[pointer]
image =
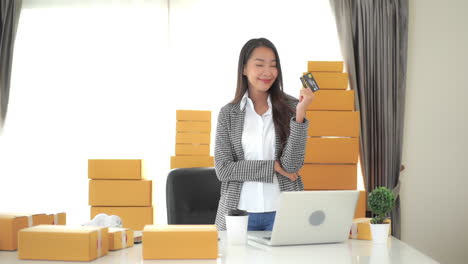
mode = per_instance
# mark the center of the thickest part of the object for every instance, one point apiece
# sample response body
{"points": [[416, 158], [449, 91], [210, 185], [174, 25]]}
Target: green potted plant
{"points": [[380, 201]]}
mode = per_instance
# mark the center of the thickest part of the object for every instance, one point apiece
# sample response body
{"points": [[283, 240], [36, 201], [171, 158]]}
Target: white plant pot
{"points": [[380, 233]]}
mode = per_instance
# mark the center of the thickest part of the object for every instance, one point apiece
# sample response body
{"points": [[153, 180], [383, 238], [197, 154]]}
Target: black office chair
{"points": [[192, 196]]}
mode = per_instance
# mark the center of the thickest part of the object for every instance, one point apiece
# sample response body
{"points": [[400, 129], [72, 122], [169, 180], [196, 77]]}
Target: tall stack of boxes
{"points": [[117, 187], [193, 136], [333, 144]]}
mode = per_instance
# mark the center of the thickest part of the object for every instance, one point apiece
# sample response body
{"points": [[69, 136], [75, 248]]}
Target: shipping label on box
{"points": [[180, 242], [55, 242], [120, 193], [116, 169], [120, 238]]}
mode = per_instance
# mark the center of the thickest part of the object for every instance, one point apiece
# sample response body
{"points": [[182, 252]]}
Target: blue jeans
{"points": [[261, 221]]}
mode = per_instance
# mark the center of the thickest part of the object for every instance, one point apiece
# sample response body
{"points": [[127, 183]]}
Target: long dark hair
{"points": [[281, 110]]}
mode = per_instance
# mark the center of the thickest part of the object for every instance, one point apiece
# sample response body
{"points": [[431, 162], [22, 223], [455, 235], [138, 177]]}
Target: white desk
{"points": [[352, 252]]}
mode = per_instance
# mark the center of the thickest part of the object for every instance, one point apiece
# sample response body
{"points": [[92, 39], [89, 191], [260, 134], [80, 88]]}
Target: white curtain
{"points": [[102, 79]]}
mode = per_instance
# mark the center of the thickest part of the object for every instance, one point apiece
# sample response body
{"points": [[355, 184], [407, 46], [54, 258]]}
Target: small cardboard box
{"points": [[180, 242], [33, 219], [116, 169], [325, 66], [134, 218], [57, 219], [193, 115], [55, 242], [120, 193], [340, 100], [120, 238], [361, 205], [332, 150], [192, 150], [333, 123], [9, 227], [193, 126], [193, 138], [191, 161], [360, 229], [329, 176]]}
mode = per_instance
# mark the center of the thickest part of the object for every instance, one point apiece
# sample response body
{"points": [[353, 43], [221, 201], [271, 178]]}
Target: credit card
{"points": [[309, 81]]}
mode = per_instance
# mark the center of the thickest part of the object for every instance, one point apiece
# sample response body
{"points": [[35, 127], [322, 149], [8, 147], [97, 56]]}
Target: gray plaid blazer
{"points": [[232, 169]]}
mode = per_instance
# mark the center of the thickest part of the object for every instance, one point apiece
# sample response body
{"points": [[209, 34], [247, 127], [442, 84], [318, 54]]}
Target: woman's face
{"points": [[261, 70]]}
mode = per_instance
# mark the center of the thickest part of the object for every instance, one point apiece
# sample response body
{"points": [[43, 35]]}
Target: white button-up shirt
{"points": [[258, 143]]}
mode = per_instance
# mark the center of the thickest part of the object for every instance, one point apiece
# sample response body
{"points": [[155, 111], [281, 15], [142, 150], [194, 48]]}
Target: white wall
{"points": [[434, 198]]}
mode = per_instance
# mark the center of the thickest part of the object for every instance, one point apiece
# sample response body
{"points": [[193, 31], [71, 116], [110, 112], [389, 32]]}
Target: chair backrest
{"points": [[192, 196]]}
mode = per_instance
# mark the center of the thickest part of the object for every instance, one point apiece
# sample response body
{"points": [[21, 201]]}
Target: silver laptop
{"points": [[311, 217]]}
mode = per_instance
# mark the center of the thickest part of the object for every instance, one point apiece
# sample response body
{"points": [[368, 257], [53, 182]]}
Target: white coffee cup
{"points": [[236, 227]]}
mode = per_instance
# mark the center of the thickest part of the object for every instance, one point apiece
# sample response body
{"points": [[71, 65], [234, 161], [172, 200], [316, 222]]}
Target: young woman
{"points": [[260, 138]]}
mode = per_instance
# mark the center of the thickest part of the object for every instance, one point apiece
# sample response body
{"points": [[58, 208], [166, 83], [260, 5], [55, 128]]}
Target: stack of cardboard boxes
{"points": [[193, 136], [117, 187], [333, 144]]}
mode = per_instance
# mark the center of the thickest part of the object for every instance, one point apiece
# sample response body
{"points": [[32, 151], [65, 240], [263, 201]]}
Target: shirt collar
{"points": [[246, 99]]}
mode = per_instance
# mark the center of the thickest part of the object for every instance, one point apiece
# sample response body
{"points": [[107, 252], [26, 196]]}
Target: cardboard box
{"points": [[56, 219], [55, 242], [192, 150], [193, 138], [332, 150], [361, 206], [120, 238], [325, 66], [180, 242], [341, 100], [193, 115], [120, 193], [360, 229], [33, 219], [333, 123], [191, 161], [134, 218], [119, 169], [329, 177], [193, 126], [9, 227], [331, 80]]}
